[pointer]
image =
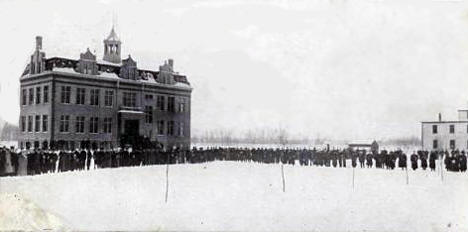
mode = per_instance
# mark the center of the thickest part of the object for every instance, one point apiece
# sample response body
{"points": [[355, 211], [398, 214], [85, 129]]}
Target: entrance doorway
{"points": [[132, 127]]}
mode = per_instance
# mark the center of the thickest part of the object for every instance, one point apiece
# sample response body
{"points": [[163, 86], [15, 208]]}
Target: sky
{"points": [[333, 69]]}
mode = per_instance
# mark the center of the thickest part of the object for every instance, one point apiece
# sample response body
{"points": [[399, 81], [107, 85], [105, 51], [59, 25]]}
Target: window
{"points": [[434, 129], [30, 123], [37, 123], [80, 96], [182, 107], [181, 129], [38, 95], [87, 70], [46, 94], [149, 97], [435, 144], [64, 123], [65, 94], [452, 144], [23, 123], [129, 99], [170, 128], [79, 124], [24, 97], [107, 125], [160, 127], [171, 104], [452, 129], [93, 125], [94, 97], [31, 96], [149, 114], [45, 123], [108, 97], [160, 103]]}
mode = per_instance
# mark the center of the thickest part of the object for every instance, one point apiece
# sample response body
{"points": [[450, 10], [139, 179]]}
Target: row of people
{"points": [[32, 162]]}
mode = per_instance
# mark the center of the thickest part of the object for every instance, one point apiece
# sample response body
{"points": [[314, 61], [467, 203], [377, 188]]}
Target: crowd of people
{"points": [[33, 162]]}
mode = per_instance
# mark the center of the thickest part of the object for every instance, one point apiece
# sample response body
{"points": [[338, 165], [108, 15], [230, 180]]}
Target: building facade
{"points": [[446, 135], [72, 102]]}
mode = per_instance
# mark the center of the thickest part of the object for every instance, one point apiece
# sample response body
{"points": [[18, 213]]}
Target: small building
{"points": [[372, 146], [75, 101], [445, 135]]}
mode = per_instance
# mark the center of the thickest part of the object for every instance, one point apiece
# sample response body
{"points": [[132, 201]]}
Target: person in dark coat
{"points": [[89, 156], [432, 160], [334, 159], [362, 158], [402, 161], [462, 161], [14, 160], [454, 165], [414, 161], [2, 162], [369, 160], [343, 159], [81, 160], [423, 159], [353, 160], [32, 155], [378, 160], [448, 161]]}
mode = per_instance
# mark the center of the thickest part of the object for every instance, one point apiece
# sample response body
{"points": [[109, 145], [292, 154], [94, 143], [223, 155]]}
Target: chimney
{"points": [[38, 43], [440, 117], [171, 63]]}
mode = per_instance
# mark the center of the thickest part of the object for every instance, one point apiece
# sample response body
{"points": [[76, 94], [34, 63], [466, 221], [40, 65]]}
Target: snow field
{"points": [[239, 196]]}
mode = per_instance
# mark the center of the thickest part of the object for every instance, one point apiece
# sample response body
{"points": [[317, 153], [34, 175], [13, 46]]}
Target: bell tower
{"points": [[112, 46]]}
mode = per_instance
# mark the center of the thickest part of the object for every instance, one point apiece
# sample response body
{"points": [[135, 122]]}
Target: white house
{"points": [[446, 135]]}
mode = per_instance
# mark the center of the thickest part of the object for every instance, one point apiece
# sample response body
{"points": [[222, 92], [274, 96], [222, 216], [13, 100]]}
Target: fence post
{"points": [[167, 177], [282, 175]]}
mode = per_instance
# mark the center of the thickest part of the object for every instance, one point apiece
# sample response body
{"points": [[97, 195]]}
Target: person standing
{"points": [[414, 161], [432, 160], [9, 171], [402, 161], [369, 160], [462, 161], [362, 158], [353, 159], [23, 163], [423, 160]]}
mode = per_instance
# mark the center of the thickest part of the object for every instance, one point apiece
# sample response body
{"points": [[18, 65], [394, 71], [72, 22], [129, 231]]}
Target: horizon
{"points": [[343, 70]]}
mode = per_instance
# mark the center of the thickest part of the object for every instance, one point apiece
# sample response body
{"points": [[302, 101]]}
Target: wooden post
{"points": [[407, 177], [167, 177], [441, 170], [282, 175]]}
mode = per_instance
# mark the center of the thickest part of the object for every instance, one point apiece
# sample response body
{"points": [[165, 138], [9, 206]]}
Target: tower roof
{"points": [[112, 36]]}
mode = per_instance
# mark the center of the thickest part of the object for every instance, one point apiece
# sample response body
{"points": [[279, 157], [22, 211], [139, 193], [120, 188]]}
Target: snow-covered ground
{"points": [[238, 196]]}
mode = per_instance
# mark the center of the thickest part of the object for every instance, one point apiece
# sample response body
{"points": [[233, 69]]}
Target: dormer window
{"points": [[87, 63]]}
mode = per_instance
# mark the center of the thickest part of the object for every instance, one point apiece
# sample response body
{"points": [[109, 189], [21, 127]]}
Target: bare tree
{"points": [[282, 136]]}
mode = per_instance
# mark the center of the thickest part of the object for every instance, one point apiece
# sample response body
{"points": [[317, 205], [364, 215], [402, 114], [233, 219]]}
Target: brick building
{"points": [[71, 101], [446, 135]]}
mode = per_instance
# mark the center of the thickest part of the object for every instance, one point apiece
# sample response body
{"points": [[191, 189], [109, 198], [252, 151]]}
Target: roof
{"points": [[130, 112], [108, 63], [359, 145], [437, 122], [113, 36]]}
